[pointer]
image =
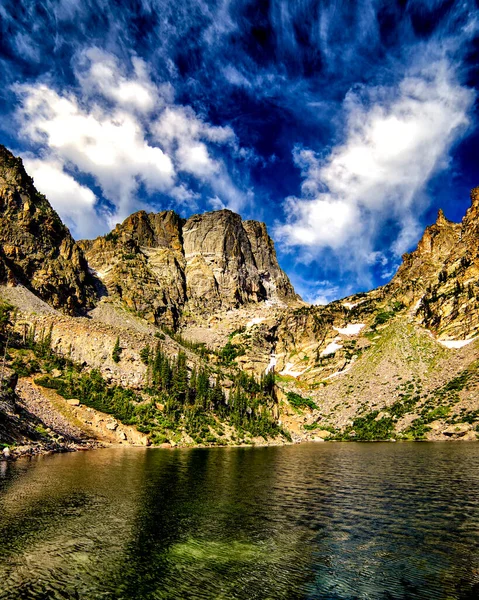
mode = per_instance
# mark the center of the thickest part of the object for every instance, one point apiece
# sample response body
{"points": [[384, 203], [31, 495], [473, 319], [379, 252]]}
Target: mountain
{"points": [[444, 270], [398, 362], [36, 249], [164, 267]]}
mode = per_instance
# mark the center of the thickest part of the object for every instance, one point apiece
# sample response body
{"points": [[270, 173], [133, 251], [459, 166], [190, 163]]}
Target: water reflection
{"points": [[337, 521]]}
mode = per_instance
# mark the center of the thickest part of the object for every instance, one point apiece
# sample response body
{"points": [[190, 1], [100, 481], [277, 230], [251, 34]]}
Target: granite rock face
{"points": [[164, 267], [442, 276], [230, 263], [36, 249], [141, 262]]}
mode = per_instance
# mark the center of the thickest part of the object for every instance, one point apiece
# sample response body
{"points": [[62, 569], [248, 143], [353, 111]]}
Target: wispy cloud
{"points": [[75, 202], [395, 138], [331, 118]]}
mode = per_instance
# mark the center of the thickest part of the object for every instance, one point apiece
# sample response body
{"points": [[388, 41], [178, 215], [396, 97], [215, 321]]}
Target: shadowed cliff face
{"points": [[36, 249], [162, 266]]}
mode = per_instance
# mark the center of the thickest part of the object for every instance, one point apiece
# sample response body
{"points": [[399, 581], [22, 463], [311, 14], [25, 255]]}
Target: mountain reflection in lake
{"points": [[327, 521]]}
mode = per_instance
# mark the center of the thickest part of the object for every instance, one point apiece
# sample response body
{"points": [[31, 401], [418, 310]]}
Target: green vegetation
{"points": [[300, 402], [145, 355], [112, 237], [8, 316], [116, 353], [238, 331], [368, 428], [196, 347], [382, 317], [41, 430], [417, 430], [229, 353], [177, 401], [385, 315]]}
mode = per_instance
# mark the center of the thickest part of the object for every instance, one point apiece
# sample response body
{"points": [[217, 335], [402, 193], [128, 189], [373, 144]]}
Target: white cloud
{"points": [[181, 131], [125, 131], [395, 139], [109, 146], [74, 202], [185, 136], [100, 73]]}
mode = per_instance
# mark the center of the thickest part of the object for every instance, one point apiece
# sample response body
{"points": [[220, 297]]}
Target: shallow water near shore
{"points": [[336, 521]]}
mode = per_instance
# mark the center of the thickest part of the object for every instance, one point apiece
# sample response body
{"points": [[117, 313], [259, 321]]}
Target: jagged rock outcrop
{"points": [[164, 267], [446, 275], [142, 263], [36, 249], [217, 279], [436, 286], [230, 262], [274, 280], [420, 268]]}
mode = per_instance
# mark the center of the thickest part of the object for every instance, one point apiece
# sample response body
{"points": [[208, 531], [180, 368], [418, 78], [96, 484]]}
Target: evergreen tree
{"points": [[180, 381], [116, 351], [145, 355]]}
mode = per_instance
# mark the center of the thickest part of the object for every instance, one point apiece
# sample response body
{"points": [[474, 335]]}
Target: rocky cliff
{"points": [[441, 277], [165, 268], [36, 249]]}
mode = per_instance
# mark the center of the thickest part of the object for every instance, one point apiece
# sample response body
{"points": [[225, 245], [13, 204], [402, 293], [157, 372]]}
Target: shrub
{"points": [[300, 402], [382, 318], [116, 353], [230, 352]]}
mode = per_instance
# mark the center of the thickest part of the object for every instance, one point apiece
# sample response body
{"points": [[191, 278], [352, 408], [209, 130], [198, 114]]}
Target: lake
{"points": [[333, 521]]}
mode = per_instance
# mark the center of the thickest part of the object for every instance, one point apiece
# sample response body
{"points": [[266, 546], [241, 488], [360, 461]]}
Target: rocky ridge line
{"points": [[36, 249]]}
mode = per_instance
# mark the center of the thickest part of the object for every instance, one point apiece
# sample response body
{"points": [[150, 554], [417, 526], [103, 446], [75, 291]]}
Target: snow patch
{"points": [[455, 343], [351, 329], [338, 373], [272, 364], [288, 371], [351, 305], [417, 305], [331, 349], [255, 321]]}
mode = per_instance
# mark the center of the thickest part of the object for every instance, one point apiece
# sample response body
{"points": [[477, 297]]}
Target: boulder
{"points": [[457, 430]]}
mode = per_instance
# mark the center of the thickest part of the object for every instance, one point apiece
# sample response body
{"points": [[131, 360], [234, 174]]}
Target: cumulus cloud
{"points": [[181, 131], [109, 146], [75, 202], [395, 139], [124, 131]]}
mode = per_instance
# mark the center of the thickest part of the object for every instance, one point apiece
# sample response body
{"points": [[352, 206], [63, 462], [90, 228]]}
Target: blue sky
{"points": [[343, 125]]}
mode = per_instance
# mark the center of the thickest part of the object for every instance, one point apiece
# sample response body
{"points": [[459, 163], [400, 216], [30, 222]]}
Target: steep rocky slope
{"points": [[353, 356], [165, 268], [36, 249], [436, 287]]}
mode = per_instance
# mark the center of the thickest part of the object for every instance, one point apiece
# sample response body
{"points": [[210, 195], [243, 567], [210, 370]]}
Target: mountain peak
{"points": [[36, 248], [161, 265], [441, 218], [475, 196]]}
